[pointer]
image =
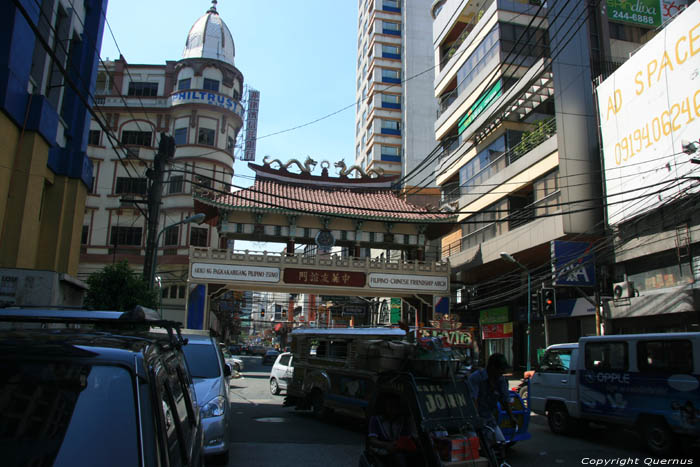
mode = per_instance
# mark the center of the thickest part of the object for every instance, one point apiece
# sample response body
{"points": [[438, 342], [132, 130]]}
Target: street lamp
{"points": [[506, 257], [197, 218]]}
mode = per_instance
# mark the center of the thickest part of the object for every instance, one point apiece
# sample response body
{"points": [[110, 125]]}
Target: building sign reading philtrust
{"points": [[226, 272], [403, 281], [649, 108], [206, 98]]}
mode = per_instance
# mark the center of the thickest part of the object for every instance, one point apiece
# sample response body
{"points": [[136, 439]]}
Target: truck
{"points": [[647, 381]]}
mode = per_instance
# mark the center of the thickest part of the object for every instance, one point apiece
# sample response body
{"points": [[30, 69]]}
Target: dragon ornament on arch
{"points": [[344, 171], [307, 167]]}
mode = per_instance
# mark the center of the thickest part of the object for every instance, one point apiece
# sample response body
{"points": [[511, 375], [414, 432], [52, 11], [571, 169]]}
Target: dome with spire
{"points": [[209, 37]]}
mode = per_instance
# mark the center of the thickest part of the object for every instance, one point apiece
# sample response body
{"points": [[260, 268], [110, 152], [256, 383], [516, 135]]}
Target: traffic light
{"points": [[549, 301], [262, 312]]}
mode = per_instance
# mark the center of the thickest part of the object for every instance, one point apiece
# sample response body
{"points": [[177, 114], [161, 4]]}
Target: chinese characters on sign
{"points": [[323, 277]]}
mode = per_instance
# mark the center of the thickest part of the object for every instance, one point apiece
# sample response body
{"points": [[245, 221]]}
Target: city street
{"points": [[267, 434]]}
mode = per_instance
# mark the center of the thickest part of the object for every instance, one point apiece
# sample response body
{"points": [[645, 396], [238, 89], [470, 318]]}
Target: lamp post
{"points": [[506, 257], [198, 218]]}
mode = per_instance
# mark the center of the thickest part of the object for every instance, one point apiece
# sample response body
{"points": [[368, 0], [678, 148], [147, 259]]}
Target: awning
{"points": [[671, 301]]}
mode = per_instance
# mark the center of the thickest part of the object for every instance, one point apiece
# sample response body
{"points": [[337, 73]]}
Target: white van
{"points": [[650, 381]]}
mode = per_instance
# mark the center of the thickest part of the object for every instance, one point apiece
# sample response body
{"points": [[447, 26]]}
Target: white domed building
{"points": [[197, 100]]}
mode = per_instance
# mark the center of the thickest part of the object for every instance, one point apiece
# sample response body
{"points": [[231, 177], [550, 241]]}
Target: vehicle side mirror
{"points": [[227, 370]]}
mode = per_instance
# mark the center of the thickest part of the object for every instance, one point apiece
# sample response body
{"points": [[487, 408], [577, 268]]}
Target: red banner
{"points": [[323, 277], [497, 331]]}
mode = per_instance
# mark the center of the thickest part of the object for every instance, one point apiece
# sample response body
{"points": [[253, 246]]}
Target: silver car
{"points": [[281, 373], [211, 376]]}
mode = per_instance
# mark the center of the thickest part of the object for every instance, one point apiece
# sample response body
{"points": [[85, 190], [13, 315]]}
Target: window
{"points": [[143, 89], [126, 236], [173, 291], [84, 235], [391, 28], [169, 422], [390, 75], [211, 85], [606, 356], [391, 5], [137, 138], [172, 236], [230, 143], [184, 84], [391, 51], [94, 137], [128, 185], [181, 291], [198, 236], [206, 136], [176, 184], [391, 153], [556, 361], [338, 350], [391, 127], [180, 136], [391, 101], [671, 356]]}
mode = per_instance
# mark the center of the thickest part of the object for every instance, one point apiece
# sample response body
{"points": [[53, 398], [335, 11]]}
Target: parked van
{"points": [[650, 381], [336, 369]]}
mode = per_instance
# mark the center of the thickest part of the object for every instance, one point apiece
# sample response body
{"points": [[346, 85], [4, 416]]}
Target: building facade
{"points": [[197, 100], [49, 52], [395, 107], [520, 159]]}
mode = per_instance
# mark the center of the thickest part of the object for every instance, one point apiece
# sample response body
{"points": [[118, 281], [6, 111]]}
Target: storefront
{"points": [[496, 332]]}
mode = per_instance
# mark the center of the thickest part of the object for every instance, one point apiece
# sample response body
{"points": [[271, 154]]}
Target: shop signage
{"points": [[324, 277], [353, 310], [408, 282], [497, 331], [206, 98], [395, 310], [494, 315], [226, 272], [454, 337], [573, 263]]}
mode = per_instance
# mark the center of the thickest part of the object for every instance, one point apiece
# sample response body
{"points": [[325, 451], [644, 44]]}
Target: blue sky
{"points": [[300, 55]]}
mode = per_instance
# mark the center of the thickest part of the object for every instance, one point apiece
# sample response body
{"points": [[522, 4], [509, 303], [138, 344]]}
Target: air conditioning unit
{"points": [[623, 290]]}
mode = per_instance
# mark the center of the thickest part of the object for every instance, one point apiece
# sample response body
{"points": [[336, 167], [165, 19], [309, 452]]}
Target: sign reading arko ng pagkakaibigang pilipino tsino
{"points": [[227, 272]]}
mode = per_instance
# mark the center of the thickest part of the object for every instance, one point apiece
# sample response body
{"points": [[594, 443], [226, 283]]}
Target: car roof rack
{"points": [[139, 315]]}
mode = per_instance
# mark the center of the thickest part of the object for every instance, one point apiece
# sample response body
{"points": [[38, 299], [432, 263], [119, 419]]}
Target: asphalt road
{"points": [[267, 434]]}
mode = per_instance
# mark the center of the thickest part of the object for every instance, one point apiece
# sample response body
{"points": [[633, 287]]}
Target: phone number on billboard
{"points": [[621, 15], [681, 113]]}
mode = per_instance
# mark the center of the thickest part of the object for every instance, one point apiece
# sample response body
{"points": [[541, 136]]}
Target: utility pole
{"points": [[166, 151]]}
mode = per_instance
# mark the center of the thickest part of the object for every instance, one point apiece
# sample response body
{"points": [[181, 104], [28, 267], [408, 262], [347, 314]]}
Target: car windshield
{"points": [[63, 413], [202, 360]]}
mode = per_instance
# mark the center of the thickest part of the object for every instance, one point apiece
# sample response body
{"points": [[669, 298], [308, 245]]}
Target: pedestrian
{"points": [[391, 433], [489, 386]]}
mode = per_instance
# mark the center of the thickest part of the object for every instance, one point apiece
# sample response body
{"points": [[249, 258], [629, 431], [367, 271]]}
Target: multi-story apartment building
{"points": [[521, 161], [395, 107], [48, 56], [197, 99]]}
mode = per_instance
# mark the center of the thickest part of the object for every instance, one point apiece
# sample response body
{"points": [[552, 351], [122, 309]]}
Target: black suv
{"points": [[95, 388]]}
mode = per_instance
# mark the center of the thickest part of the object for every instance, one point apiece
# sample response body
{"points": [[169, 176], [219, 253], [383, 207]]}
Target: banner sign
{"points": [[324, 277], [405, 281], [573, 264], [497, 331], [226, 272], [395, 310], [639, 12]]}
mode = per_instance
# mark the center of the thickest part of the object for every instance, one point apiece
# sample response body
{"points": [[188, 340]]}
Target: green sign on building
{"points": [[395, 310], [481, 103], [639, 12], [494, 315]]}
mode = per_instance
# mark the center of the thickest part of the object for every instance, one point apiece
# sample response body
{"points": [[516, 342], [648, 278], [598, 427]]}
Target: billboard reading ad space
{"points": [[648, 109]]}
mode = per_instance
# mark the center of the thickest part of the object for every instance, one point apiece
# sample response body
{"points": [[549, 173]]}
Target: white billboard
{"points": [[648, 108]]}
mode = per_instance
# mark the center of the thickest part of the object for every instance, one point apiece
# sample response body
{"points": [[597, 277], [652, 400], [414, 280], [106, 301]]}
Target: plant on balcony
{"points": [[532, 138]]}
